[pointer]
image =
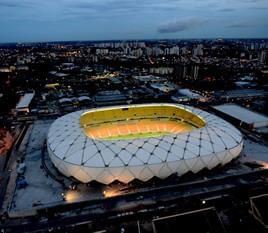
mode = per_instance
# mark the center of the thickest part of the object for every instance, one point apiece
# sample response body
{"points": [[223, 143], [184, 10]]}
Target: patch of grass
{"points": [[137, 136]]}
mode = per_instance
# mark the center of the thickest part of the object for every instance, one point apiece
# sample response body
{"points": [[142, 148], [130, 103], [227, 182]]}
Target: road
{"points": [[147, 203]]}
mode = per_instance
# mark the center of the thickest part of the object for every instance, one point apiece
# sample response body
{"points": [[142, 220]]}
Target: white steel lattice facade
{"points": [[77, 155]]}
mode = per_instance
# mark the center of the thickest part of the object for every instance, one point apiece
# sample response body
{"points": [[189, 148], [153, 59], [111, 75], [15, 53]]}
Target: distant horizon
{"points": [[151, 39]]}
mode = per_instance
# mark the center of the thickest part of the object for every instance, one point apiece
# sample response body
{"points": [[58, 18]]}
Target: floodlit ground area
{"points": [[255, 150], [42, 190], [137, 129]]}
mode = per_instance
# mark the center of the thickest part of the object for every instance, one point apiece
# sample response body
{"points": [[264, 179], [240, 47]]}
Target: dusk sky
{"points": [[50, 20]]}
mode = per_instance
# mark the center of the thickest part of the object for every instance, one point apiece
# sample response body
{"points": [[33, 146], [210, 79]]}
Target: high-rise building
{"points": [[175, 50], [181, 71], [194, 71], [262, 56], [198, 51]]}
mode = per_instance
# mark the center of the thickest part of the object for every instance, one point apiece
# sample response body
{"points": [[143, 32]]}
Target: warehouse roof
{"points": [[241, 113], [25, 101]]}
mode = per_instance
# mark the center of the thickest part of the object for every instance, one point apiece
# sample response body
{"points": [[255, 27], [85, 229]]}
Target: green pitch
{"points": [[137, 135]]}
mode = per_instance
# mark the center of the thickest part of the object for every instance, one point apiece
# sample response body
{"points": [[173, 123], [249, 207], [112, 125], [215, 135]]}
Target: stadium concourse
{"points": [[139, 142]]}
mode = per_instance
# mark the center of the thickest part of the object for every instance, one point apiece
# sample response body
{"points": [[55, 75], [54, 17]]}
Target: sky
{"points": [[64, 20]]}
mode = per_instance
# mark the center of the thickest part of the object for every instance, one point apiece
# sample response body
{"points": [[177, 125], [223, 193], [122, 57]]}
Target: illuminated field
{"points": [[138, 122], [137, 129]]}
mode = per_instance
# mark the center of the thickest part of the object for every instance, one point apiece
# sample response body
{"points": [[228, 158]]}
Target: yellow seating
{"points": [[138, 120]]}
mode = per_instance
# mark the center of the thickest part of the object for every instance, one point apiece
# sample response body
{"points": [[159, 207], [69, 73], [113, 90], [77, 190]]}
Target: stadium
{"points": [[123, 143]]}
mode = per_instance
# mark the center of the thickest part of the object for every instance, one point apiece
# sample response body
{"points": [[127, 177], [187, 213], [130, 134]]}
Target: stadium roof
{"points": [[80, 156]]}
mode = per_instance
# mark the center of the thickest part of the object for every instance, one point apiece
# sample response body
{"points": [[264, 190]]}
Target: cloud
{"points": [[124, 5], [14, 4], [179, 25], [227, 10]]}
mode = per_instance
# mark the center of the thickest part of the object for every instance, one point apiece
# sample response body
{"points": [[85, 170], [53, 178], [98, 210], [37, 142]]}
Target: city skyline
{"points": [[138, 136], [63, 20]]}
